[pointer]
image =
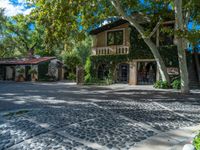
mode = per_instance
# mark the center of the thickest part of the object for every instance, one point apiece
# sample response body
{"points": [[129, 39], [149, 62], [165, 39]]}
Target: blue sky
{"points": [[14, 7]]}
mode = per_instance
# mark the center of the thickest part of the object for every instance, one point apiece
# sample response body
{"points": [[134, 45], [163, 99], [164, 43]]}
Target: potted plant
{"points": [[33, 72], [21, 72]]}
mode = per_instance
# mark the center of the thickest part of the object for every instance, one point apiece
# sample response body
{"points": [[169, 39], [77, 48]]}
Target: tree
{"points": [[27, 35], [69, 17], [83, 49], [186, 12], [66, 17], [71, 61], [181, 46]]}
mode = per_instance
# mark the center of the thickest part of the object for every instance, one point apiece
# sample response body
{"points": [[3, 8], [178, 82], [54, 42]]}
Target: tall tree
{"points": [[63, 17], [181, 42], [26, 33]]}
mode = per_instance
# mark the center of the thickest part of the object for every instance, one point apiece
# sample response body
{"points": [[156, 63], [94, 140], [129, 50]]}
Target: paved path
{"points": [[65, 116]]}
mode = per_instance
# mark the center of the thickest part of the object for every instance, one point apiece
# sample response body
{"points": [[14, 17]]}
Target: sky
{"points": [[14, 7]]}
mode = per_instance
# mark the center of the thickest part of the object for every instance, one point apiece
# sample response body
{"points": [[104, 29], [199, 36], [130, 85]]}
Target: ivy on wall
{"points": [[138, 50]]}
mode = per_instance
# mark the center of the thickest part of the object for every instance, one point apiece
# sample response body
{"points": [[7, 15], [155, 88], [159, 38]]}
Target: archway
{"points": [[103, 71], [146, 73]]}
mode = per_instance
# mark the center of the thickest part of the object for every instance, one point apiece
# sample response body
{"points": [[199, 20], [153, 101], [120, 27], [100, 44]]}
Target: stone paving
{"points": [[43, 116]]}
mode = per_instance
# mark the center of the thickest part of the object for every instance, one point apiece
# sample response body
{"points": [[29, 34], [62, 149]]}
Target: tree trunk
{"points": [[181, 47], [151, 45], [159, 60], [196, 59]]}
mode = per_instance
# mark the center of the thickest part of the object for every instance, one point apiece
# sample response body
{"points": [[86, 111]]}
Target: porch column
{"points": [[133, 73]]}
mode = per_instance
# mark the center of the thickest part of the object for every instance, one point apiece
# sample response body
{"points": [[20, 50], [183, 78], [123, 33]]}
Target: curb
{"points": [[172, 140]]}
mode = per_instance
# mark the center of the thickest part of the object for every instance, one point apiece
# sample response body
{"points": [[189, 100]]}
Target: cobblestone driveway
{"points": [[65, 116]]}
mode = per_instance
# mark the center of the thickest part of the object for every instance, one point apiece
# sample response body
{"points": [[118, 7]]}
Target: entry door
{"points": [[28, 75], [124, 73], [146, 74]]}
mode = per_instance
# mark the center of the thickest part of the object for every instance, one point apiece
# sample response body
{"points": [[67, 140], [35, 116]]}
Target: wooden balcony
{"points": [[110, 50]]}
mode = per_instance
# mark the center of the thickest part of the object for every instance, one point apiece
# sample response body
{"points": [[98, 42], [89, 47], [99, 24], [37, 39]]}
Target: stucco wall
{"points": [[100, 40], [9, 73], [53, 69]]}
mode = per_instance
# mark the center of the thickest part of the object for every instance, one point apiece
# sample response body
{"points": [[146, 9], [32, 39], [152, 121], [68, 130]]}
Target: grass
{"points": [[17, 113], [196, 142]]}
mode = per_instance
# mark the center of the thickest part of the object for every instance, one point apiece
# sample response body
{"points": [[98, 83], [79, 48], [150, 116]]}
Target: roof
{"points": [[25, 61], [108, 26], [138, 17]]}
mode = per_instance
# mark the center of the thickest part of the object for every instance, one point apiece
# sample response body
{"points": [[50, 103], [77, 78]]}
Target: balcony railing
{"points": [[110, 50]]}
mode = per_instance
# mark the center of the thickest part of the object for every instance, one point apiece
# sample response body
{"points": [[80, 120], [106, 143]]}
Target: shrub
{"points": [[71, 60], [72, 76], [161, 85], [96, 81], [21, 71], [88, 65], [196, 142], [32, 71], [176, 84]]}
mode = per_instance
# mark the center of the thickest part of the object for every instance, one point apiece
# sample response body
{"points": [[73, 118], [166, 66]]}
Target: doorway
{"points": [[146, 73], [27, 74], [123, 73]]}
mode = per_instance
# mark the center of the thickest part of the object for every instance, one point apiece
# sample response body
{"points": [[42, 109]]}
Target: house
{"points": [[45, 68], [118, 52]]}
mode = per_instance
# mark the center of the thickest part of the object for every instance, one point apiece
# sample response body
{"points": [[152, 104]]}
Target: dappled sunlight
{"points": [[94, 117]]}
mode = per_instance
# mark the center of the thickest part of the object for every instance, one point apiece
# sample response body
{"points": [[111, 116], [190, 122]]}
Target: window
{"points": [[115, 38]]}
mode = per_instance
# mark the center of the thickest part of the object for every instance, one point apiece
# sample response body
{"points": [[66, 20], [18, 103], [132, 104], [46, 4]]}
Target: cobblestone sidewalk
{"points": [[58, 116]]}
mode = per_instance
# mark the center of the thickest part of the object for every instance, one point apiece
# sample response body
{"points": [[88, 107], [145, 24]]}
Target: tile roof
{"points": [[25, 61]]}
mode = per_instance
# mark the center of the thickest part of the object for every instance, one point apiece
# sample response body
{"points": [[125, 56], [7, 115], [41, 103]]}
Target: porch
{"points": [[111, 50]]}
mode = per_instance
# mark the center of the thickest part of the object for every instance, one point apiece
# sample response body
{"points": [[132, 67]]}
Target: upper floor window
{"points": [[115, 37]]}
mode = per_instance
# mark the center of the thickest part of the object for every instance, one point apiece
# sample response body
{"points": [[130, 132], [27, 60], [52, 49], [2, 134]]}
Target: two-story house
{"points": [[118, 48]]}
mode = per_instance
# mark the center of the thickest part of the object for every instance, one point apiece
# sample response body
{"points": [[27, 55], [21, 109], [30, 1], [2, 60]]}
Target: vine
{"points": [[138, 50]]}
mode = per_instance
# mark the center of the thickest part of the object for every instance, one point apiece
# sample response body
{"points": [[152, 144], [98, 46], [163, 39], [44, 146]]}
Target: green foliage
{"points": [[83, 49], [161, 85], [21, 70], [96, 81], [176, 84], [33, 71], [11, 114], [88, 68], [72, 76], [71, 60], [196, 142]]}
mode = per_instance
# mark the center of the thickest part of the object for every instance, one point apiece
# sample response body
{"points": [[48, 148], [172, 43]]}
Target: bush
{"points": [[96, 81], [72, 76], [33, 71], [176, 84], [161, 85], [88, 65], [21, 71], [196, 142], [71, 60]]}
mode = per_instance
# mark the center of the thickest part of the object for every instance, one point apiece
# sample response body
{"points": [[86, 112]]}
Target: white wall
{"points": [[9, 73], [53, 67]]}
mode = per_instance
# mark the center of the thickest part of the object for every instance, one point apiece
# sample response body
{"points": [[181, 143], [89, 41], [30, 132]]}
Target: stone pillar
{"points": [[133, 73]]}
